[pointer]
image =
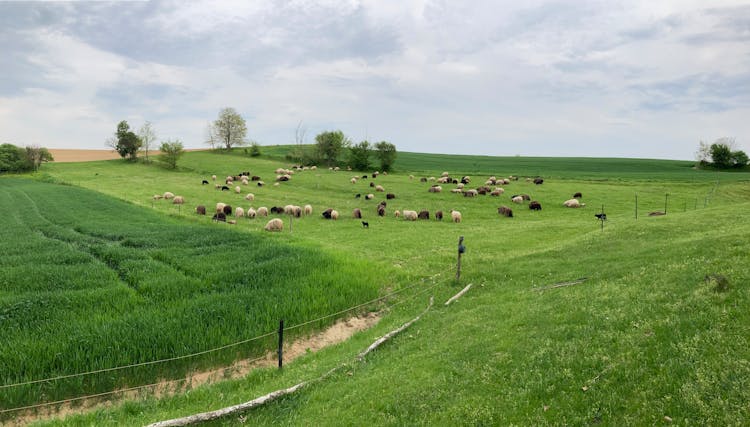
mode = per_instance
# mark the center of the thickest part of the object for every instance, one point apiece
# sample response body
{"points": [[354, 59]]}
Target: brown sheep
{"points": [[505, 211], [439, 215], [423, 214], [178, 200], [535, 206], [327, 213], [357, 213], [219, 217], [200, 210], [390, 196], [435, 189], [538, 181], [381, 210], [227, 210]]}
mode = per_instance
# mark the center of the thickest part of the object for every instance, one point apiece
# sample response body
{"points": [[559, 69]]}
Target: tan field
{"points": [[67, 155]]}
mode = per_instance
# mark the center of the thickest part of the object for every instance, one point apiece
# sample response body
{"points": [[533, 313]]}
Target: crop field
{"points": [[96, 274]]}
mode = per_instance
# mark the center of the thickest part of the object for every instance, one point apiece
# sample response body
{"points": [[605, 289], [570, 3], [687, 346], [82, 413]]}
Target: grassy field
{"points": [[644, 337]]}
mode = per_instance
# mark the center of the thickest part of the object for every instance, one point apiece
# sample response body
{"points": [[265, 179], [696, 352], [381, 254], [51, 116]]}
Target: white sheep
{"points": [[220, 207], [275, 224], [435, 189], [573, 203], [444, 175], [379, 188], [410, 215], [497, 192], [369, 196], [157, 197], [238, 189], [354, 180], [289, 210], [456, 216], [213, 177], [250, 197], [251, 213], [471, 193], [460, 185], [397, 214], [168, 195], [178, 200], [239, 212], [517, 199], [334, 214], [457, 190], [313, 168], [308, 210], [262, 211]]}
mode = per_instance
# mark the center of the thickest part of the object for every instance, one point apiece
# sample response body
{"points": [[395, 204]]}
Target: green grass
{"points": [[645, 334]]}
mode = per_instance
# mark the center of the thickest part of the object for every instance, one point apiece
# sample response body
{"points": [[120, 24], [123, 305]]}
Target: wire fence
{"points": [[212, 350]]}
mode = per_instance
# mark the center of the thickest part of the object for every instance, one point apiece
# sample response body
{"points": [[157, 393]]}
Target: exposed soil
{"points": [[339, 332], [68, 155]]}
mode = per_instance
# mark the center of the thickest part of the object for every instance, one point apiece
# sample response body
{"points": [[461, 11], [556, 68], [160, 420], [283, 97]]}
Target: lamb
{"points": [[439, 215], [410, 215], [261, 183], [227, 210], [250, 197], [573, 203], [239, 212], [354, 180], [251, 213], [379, 188], [334, 215], [517, 199], [435, 189], [535, 206], [390, 196], [178, 200], [200, 210], [357, 213], [423, 214], [275, 224], [456, 216], [505, 211], [308, 210], [168, 195], [397, 214], [213, 177], [262, 211]]}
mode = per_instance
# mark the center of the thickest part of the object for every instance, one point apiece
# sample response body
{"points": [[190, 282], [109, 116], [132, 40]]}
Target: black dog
{"points": [[204, 182], [601, 216], [365, 224]]}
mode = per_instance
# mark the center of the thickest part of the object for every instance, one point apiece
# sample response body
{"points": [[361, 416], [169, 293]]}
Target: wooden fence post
{"points": [[281, 343], [461, 250], [636, 205], [666, 197]]}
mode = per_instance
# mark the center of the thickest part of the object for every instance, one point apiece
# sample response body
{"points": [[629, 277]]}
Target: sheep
{"points": [[308, 210], [327, 213], [381, 210], [423, 214], [277, 209], [435, 189], [538, 181], [262, 211], [444, 175], [390, 196], [460, 185], [410, 215], [289, 209], [213, 177], [497, 191], [601, 216], [372, 184], [535, 206], [261, 183], [275, 224], [336, 169], [245, 182], [157, 197], [353, 180], [357, 196], [251, 213], [456, 216], [297, 212], [250, 197], [471, 193], [168, 195], [178, 200], [200, 210], [369, 196], [439, 215], [365, 224], [220, 207], [517, 199], [237, 189], [457, 190], [255, 178], [205, 182], [573, 203], [227, 210], [357, 213], [239, 212], [313, 168], [411, 176], [423, 179], [334, 215], [397, 214], [283, 178], [505, 211], [578, 196], [217, 186], [379, 188], [465, 180], [224, 188], [443, 180], [219, 216]]}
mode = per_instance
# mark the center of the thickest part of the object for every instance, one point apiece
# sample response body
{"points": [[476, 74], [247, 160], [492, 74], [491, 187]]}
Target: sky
{"points": [[645, 79]]}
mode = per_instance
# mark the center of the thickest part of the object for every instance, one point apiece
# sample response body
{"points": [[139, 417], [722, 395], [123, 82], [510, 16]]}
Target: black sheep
{"points": [[390, 196], [219, 216], [423, 214], [505, 211], [327, 213], [204, 182], [227, 210], [577, 196], [224, 188], [538, 181], [535, 206], [439, 215]]}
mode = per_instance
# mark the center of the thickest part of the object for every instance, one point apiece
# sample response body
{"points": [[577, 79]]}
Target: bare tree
{"points": [[299, 134], [147, 134]]}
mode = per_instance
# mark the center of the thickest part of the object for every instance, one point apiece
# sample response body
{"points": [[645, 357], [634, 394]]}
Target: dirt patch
{"points": [[68, 155], [339, 332]]}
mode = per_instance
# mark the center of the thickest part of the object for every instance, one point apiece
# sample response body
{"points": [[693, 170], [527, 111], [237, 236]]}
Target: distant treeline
{"points": [[19, 159]]}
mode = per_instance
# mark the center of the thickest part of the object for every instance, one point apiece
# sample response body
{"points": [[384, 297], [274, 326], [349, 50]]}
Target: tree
{"points": [[128, 143], [254, 149], [359, 155], [229, 129], [386, 152], [739, 159], [704, 153], [330, 144], [35, 155], [171, 152], [210, 135], [721, 155], [147, 134], [13, 159]]}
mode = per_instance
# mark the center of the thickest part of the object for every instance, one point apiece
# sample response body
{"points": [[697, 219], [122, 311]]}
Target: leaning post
{"points": [[461, 250], [281, 343]]}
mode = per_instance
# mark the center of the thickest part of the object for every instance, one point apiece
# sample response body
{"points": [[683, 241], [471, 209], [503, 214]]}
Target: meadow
{"points": [[646, 336]]}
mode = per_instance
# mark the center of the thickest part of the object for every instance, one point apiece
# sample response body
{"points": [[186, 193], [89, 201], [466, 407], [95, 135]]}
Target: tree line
{"points": [[722, 154], [15, 159]]}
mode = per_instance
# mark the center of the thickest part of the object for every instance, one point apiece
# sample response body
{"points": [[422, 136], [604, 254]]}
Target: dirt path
{"points": [[339, 332]]}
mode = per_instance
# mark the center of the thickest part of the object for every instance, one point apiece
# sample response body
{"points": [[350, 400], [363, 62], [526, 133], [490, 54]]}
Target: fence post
{"points": [[281, 343], [666, 196], [461, 250], [290, 222], [636, 205], [602, 220]]}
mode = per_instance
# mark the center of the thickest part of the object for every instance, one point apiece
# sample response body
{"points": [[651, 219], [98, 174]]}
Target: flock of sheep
{"points": [[492, 186]]}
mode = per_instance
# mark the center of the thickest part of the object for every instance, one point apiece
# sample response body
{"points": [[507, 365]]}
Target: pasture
{"points": [[644, 337]]}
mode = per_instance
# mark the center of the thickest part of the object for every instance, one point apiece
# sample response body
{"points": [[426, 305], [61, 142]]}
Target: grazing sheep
{"points": [[357, 196], [381, 210], [465, 180], [220, 207], [423, 179], [538, 181], [372, 184], [443, 180], [411, 176], [250, 197], [327, 213], [439, 215], [410, 215], [444, 174], [397, 214], [255, 178], [390, 196], [245, 182], [497, 191], [364, 176], [157, 197], [336, 169], [275, 224], [423, 214], [227, 210], [261, 183], [456, 216], [535, 206], [217, 186], [232, 221], [239, 212], [457, 190], [219, 216], [354, 180], [178, 200], [289, 209], [297, 211], [283, 178], [313, 168], [517, 199], [251, 213], [205, 182], [277, 209], [505, 211], [471, 193], [213, 177], [435, 189], [262, 211], [460, 186], [357, 213], [369, 196], [383, 203], [334, 215], [379, 188], [573, 203], [168, 195], [237, 189], [578, 196], [308, 210], [200, 210], [224, 188]]}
